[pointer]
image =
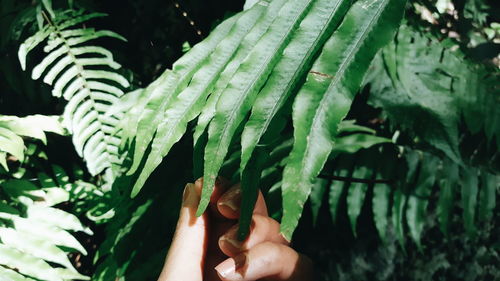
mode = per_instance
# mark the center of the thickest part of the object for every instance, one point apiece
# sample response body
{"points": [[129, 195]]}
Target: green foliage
{"points": [[179, 110], [325, 98], [459, 258], [139, 233], [13, 128], [241, 90], [247, 70], [84, 75], [263, 99], [355, 177], [34, 235], [430, 87]]}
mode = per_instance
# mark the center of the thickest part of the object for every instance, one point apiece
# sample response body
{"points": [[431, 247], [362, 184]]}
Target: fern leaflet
{"points": [[85, 76]]}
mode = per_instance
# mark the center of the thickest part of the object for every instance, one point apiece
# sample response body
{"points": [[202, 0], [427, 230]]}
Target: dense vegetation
{"points": [[371, 126]]}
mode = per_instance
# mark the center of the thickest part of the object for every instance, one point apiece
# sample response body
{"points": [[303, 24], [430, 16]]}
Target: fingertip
{"points": [[198, 185], [228, 211], [225, 268], [189, 196], [228, 244], [228, 204], [232, 269], [260, 205], [229, 247]]}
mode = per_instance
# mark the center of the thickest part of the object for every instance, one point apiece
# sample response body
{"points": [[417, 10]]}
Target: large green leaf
{"points": [[161, 91], [325, 98], [246, 47], [236, 100], [314, 30], [188, 103]]}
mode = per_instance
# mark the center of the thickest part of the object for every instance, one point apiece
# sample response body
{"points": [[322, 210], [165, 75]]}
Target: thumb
{"points": [[185, 256]]}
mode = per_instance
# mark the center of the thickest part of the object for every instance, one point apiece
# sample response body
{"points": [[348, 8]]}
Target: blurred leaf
{"points": [[448, 187], [487, 196], [470, 191], [317, 193], [418, 200]]}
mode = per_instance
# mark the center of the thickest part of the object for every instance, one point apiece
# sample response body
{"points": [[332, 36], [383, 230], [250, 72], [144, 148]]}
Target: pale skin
{"points": [[206, 248]]}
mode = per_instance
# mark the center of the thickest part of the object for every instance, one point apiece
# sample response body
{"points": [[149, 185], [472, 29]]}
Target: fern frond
{"points": [[414, 177], [296, 59], [247, 45], [168, 85], [325, 98], [235, 102], [459, 90], [13, 128], [32, 232], [189, 101], [316, 27], [85, 76]]}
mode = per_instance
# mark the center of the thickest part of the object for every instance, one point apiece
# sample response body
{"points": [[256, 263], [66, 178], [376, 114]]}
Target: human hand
{"points": [[206, 247]]}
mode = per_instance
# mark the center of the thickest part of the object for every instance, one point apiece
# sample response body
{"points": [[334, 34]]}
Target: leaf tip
{"points": [[21, 54]]}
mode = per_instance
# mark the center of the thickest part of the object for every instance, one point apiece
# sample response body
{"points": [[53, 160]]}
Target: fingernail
{"points": [[198, 185], [229, 241], [234, 244], [226, 268], [232, 200], [185, 194], [232, 268], [199, 182]]}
